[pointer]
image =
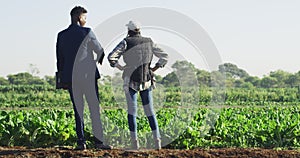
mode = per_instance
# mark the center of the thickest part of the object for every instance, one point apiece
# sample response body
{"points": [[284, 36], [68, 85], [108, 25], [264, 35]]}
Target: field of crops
{"points": [[40, 116], [47, 96]]}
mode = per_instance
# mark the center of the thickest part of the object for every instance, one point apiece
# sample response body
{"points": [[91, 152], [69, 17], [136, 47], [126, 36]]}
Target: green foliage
{"points": [[50, 80], [3, 81], [170, 80], [48, 96], [183, 66], [36, 128], [158, 78], [203, 78], [268, 82], [268, 127], [184, 74], [266, 112], [231, 70], [33, 96], [272, 125], [229, 75], [25, 78], [217, 79], [281, 77]]}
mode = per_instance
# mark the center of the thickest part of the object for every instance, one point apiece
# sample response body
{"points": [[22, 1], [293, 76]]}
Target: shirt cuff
{"points": [[113, 64], [159, 65]]}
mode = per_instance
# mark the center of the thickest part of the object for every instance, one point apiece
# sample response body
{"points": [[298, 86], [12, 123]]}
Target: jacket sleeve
{"points": [[163, 57], [96, 46], [59, 55], [117, 52]]}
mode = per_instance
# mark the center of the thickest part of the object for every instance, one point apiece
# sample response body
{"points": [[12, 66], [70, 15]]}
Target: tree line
{"points": [[231, 75], [228, 74]]}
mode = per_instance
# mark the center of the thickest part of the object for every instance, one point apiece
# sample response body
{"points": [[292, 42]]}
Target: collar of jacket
{"points": [[74, 25]]}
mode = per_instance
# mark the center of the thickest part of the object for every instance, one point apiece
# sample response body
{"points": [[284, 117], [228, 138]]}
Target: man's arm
{"points": [[163, 57], [59, 55], [96, 47]]}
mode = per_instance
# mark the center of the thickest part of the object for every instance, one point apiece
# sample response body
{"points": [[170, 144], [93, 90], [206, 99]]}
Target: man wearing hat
{"points": [[137, 52]]}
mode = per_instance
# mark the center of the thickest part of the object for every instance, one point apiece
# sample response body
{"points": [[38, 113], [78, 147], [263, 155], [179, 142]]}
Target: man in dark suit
{"points": [[78, 73]]}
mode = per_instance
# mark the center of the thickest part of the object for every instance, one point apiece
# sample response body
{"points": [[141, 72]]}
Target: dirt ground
{"points": [[202, 153]]}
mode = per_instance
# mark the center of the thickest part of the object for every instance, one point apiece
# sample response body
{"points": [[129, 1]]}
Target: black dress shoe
{"points": [[81, 147], [103, 146]]}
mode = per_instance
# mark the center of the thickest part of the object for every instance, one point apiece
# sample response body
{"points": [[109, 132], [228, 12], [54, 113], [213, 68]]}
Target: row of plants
{"points": [[181, 128], [111, 96]]}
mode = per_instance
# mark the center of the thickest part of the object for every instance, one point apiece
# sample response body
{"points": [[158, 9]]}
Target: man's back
{"points": [[69, 42]]}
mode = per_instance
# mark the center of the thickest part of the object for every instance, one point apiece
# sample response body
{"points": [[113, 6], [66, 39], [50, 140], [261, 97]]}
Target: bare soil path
{"points": [[202, 153]]}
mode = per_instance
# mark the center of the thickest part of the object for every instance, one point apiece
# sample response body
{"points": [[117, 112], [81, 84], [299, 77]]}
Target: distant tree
{"points": [[185, 72], [217, 79], [268, 82], [3, 81], [203, 77], [281, 77], [238, 83], [24, 78], [293, 80], [20, 78], [229, 82], [170, 79], [254, 80], [246, 85], [158, 78], [228, 75], [50, 80], [183, 65], [233, 71], [241, 83]]}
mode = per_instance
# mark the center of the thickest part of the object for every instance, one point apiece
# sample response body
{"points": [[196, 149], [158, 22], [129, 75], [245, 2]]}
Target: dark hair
{"points": [[76, 11], [134, 33]]}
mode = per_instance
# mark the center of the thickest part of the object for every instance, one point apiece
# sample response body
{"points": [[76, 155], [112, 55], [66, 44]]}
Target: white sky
{"points": [[258, 36]]}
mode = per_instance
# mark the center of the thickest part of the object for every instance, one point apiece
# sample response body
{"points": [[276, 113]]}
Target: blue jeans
{"points": [[146, 96]]}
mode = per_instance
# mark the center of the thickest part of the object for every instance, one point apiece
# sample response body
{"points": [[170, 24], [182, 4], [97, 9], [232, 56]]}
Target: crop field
{"points": [[236, 122]]}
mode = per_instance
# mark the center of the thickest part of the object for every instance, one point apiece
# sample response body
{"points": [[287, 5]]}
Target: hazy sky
{"points": [[258, 36]]}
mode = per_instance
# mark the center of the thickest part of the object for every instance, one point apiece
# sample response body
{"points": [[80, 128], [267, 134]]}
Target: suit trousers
{"points": [[87, 88]]}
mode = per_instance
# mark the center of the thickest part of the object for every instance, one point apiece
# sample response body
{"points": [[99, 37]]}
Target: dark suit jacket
{"points": [[75, 44]]}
